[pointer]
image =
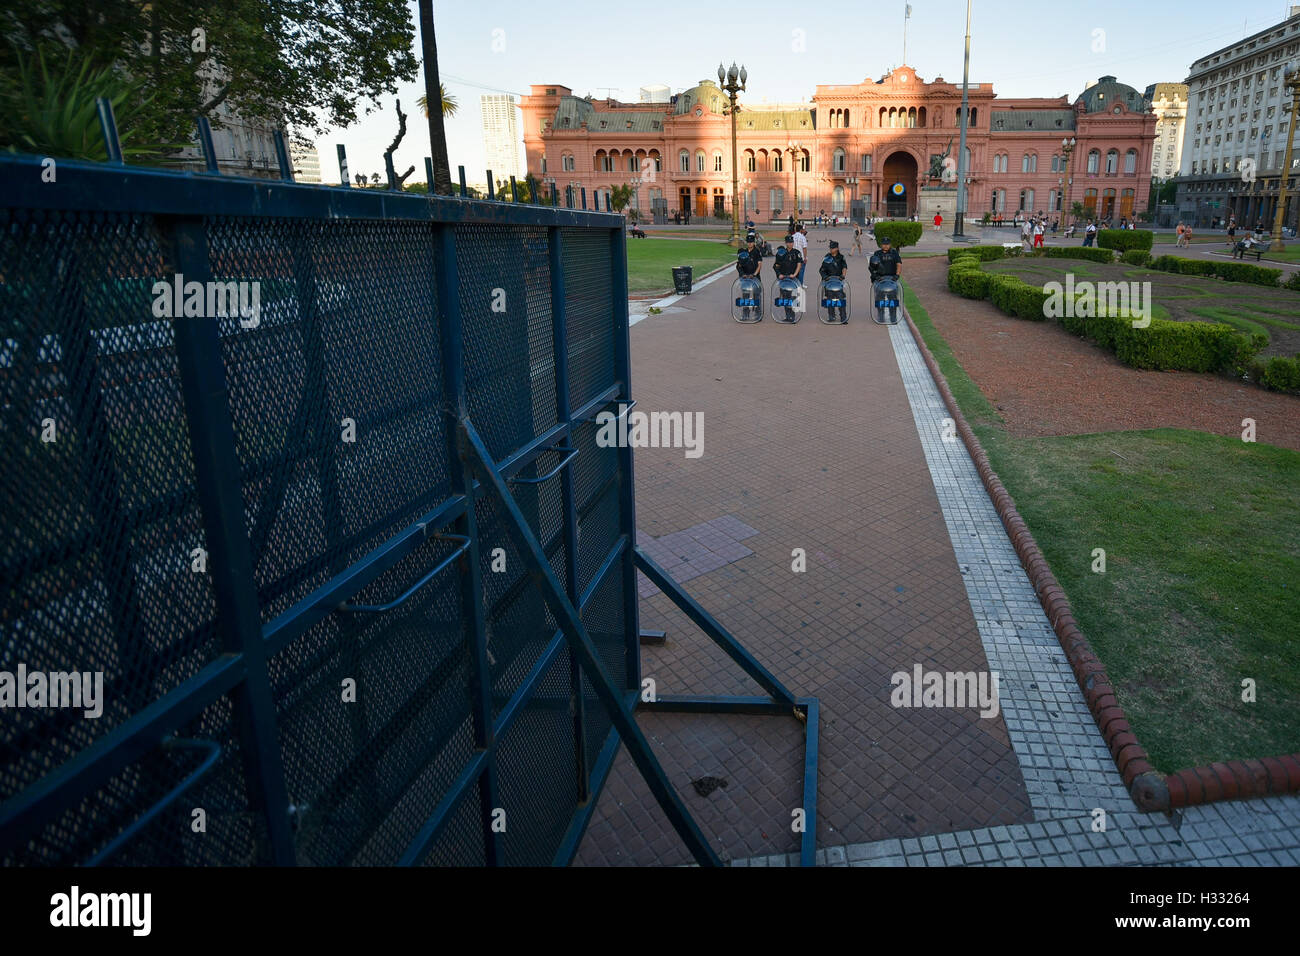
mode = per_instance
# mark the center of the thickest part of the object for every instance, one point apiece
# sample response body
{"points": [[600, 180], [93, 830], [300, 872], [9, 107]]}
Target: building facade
{"points": [[1238, 121], [865, 148], [1169, 103], [501, 136], [306, 163]]}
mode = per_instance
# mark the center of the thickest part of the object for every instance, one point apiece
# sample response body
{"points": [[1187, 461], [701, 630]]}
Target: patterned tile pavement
{"points": [[835, 444]]}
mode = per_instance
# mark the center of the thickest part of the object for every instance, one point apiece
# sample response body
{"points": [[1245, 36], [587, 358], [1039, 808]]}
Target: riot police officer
{"points": [[788, 260], [749, 260], [834, 266], [885, 261]]}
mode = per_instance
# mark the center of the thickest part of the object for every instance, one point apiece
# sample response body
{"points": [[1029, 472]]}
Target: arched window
{"points": [[1026, 200], [699, 160], [776, 199], [805, 199], [1126, 203], [566, 163], [778, 163], [865, 163], [1090, 202], [1131, 162], [847, 124], [805, 162], [684, 161], [837, 199], [749, 161], [1112, 161], [968, 165], [1094, 163], [659, 162], [920, 115], [1056, 164], [911, 118], [999, 203], [884, 117], [837, 160], [717, 161], [633, 163]]}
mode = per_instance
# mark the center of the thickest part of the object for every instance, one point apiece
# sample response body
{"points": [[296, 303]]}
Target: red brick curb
{"points": [[1150, 790]]}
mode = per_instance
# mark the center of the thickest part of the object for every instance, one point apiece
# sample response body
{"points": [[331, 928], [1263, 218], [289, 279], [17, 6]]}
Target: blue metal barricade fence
{"points": [[359, 580]]}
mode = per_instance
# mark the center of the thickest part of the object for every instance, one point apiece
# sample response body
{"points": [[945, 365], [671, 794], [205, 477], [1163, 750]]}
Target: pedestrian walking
{"points": [[801, 243], [938, 221], [1026, 233], [1038, 234], [857, 240], [1090, 233]]}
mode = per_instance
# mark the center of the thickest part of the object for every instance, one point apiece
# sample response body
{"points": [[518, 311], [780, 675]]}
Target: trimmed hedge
{"points": [[983, 253], [1281, 374], [1136, 257], [1078, 252], [1016, 297], [1293, 283], [1125, 240], [1228, 271], [1162, 344], [900, 232], [1167, 345]]}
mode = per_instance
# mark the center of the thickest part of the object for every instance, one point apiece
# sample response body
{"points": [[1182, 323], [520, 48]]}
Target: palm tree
{"points": [[449, 104]]}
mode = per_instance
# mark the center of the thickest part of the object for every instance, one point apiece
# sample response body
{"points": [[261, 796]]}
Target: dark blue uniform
{"points": [[884, 262]]}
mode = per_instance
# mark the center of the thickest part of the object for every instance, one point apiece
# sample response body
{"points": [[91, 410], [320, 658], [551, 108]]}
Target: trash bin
{"points": [[682, 279]]}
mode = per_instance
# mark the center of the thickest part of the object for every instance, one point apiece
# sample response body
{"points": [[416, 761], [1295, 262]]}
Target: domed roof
{"points": [[1106, 92], [706, 94]]}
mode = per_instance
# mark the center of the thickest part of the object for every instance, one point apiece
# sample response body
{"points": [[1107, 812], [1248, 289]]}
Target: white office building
{"points": [[1238, 121], [1169, 103], [502, 141]]}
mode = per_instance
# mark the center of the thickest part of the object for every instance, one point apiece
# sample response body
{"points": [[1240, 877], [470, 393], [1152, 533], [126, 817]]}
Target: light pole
{"points": [[959, 230], [732, 82], [795, 149], [1292, 79], [1067, 147]]}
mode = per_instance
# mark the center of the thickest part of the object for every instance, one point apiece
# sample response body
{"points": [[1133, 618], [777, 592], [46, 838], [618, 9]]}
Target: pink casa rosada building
{"points": [[861, 149]]}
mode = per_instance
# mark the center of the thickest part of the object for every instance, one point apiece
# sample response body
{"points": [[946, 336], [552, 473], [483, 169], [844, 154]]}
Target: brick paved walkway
{"points": [[809, 440], [832, 441]]}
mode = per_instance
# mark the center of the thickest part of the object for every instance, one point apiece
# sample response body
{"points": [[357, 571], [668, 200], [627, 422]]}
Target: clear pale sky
{"points": [[1023, 48]]}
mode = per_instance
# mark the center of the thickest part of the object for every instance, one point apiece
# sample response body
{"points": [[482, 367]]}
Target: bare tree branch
{"points": [[401, 128]]}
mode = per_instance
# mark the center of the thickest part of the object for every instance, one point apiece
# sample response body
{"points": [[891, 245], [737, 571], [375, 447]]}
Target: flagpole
{"points": [[907, 15], [959, 226]]}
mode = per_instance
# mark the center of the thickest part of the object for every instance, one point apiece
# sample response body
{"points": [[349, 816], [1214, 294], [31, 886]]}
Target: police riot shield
{"points": [[747, 299], [887, 295], [788, 301], [833, 302]]}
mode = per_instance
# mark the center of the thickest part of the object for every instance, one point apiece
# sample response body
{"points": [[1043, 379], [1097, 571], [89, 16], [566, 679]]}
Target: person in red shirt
{"points": [[938, 221]]}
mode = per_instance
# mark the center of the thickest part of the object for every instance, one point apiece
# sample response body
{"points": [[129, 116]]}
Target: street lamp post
{"points": [[795, 149], [732, 82], [1067, 147], [1292, 79], [959, 224]]}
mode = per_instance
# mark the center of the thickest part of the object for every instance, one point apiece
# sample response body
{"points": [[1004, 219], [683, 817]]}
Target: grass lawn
{"points": [[1290, 254], [650, 262], [1202, 581]]}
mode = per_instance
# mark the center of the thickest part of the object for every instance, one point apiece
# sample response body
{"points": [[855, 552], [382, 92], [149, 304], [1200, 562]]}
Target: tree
{"points": [[620, 196], [449, 103], [302, 64], [374, 178], [437, 132], [360, 179], [525, 193]]}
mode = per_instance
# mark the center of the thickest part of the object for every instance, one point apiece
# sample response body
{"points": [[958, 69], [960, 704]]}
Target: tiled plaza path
{"points": [[830, 440]]}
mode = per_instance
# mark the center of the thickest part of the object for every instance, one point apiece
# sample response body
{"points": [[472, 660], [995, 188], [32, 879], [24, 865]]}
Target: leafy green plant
{"points": [[983, 253], [1125, 239], [900, 232], [1136, 257], [48, 107]]}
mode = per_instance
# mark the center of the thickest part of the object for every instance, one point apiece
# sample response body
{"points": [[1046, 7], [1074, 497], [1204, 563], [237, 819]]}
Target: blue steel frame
{"points": [[178, 203]]}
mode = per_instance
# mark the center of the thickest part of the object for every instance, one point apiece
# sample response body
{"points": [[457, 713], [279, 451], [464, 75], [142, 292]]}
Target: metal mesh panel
{"points": [[603, 619], [588, 315], [336, 396], [537, 761], [505, 302], [365, 774], [518, 623], [231, 834], [596, 496], [462, 842], [95, 562]]}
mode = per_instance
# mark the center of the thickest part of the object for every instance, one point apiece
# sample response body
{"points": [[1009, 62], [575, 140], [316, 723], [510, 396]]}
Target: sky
{"points": [[613, 49]]}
